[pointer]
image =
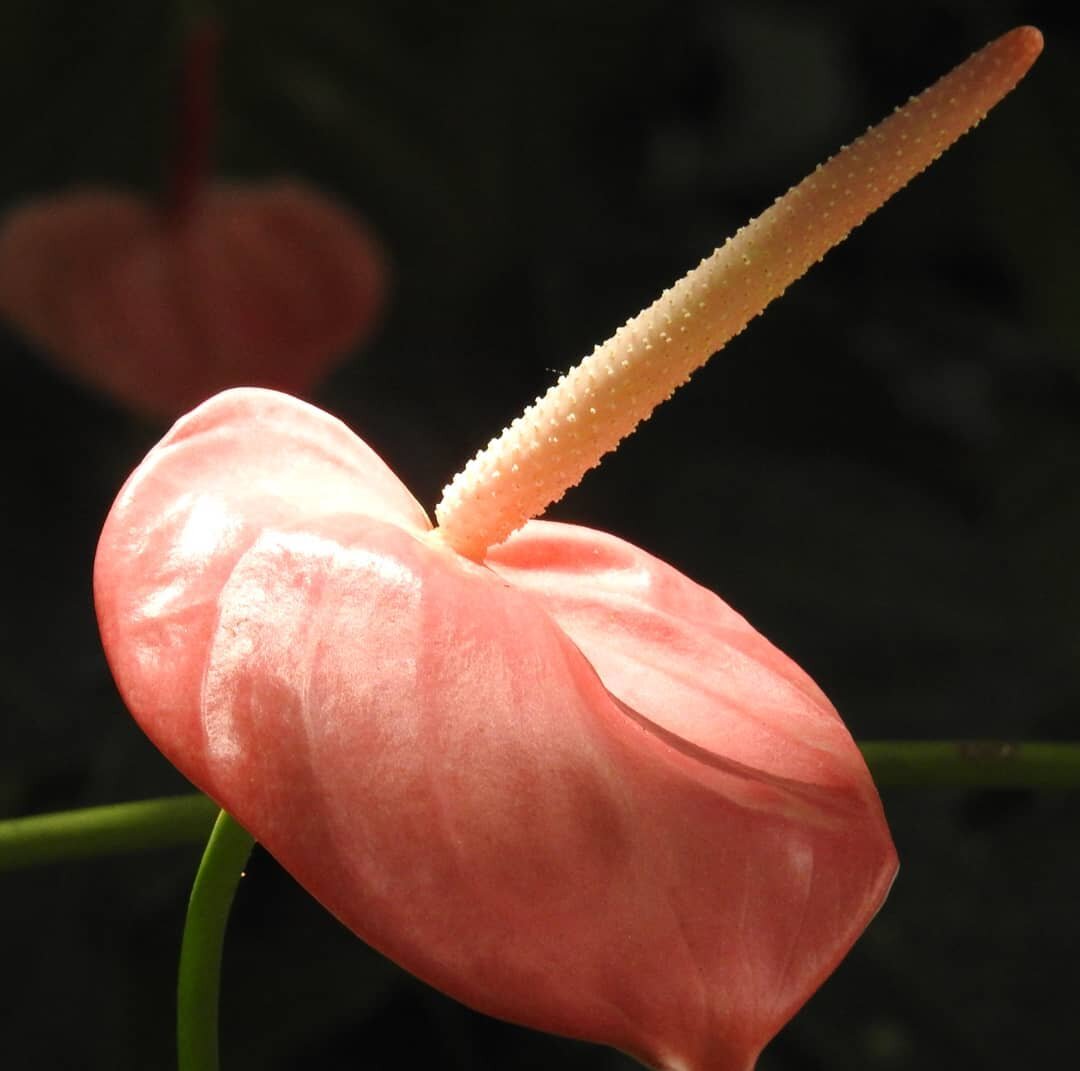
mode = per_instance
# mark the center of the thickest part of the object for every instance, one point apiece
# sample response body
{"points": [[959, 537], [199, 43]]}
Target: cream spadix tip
{"points": [[589, 410]]}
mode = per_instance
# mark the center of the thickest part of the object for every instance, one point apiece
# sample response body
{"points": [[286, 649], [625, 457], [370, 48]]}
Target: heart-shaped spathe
{"points": [[268, 285], [569, 786]]}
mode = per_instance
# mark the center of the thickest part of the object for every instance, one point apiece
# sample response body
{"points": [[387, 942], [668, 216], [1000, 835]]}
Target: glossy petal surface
{"points": [[569, 787], [268, 285]]}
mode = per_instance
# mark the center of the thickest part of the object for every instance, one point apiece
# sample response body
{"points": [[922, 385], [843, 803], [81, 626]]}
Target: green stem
{"points": [[212, 895], [973, 763], [132, 827], [98, 831]]}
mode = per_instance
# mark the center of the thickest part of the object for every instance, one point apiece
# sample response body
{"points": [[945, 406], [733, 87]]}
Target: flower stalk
{"points": [[212, 895], [120, 828], [95, 832], [189, 167]]}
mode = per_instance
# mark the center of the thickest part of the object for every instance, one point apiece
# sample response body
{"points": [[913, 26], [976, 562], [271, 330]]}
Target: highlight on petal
{"points": [[262, 285], [571, 788]]}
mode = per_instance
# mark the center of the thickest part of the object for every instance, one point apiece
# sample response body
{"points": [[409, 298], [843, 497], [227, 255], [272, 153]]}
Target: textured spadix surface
{"points": [[569, 786], [268, 285], [549, 447]]}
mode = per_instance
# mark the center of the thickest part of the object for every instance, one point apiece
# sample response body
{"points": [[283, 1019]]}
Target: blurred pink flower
{"points": [[162, 305]]}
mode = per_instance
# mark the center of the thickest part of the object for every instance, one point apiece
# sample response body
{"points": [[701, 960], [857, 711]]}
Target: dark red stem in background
{"points": [[193, 135]]}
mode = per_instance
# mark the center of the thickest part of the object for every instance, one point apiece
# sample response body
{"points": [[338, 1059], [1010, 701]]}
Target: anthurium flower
{"points": [[161, 305], [527, 760]]}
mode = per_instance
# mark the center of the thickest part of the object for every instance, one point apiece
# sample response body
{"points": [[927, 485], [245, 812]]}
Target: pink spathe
{"points": [[568, 786], [268, 285]]}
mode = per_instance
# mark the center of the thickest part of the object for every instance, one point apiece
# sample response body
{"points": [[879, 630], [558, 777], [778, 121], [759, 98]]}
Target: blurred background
{"points": [[881, 473]]}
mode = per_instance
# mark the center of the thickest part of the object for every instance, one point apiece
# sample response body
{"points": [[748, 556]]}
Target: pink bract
{"points": [[267, 285], [568, 786]]}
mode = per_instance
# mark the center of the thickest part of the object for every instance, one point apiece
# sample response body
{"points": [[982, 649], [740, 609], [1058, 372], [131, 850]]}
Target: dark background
{"points": [[881, 474]]}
